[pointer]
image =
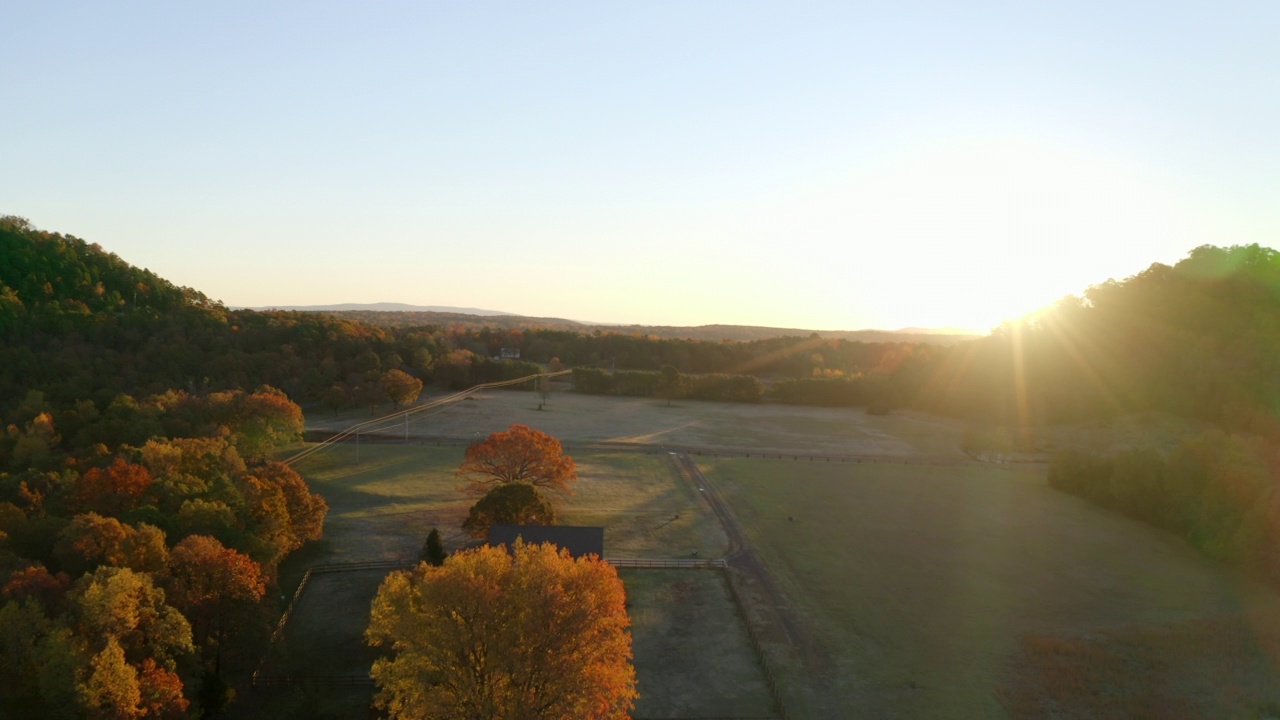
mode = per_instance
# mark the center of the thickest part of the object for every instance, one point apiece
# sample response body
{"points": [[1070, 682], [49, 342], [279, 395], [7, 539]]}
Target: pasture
{"points": [[382, 508], [922, 584], [649, 423], [693, 657], [976, 591]]}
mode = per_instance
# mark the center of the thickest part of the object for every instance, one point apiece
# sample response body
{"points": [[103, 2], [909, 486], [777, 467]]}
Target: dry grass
{"points": [[770, 428], [1204, 668]]}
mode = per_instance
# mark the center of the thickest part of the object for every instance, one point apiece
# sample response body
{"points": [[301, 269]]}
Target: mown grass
{"points": [[693, 656], [922, 581], [383, 507]]}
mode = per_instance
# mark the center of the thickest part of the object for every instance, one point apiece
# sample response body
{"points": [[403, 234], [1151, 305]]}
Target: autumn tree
{"points": [[90, 540], [126, 606], [401, 387], [515, 503], [218, 590], [39, 584], [112, 490], [529, 634], [263, 421], [520, 454]]}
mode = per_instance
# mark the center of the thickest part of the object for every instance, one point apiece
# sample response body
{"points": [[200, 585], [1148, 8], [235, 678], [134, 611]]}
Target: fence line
{"points": [[353, 566], [770, 680], [331, 680], [936, 461], [705, 563]]}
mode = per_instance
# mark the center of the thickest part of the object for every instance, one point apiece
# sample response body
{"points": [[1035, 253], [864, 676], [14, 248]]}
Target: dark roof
{"points": [[579, 541]]}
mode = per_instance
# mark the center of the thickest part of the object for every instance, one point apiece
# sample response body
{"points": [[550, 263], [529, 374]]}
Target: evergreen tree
{"points": [[433, 551]]}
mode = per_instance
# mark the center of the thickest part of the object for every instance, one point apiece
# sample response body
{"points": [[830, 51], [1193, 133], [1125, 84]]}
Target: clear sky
{"points": [[818, 165]]}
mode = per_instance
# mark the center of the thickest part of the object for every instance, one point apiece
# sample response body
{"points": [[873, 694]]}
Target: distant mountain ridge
{"points": [[399, 315], [381, 307]]}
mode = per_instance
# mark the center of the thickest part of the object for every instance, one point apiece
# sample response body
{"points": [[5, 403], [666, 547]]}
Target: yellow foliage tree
{"points": [[524, 635]]}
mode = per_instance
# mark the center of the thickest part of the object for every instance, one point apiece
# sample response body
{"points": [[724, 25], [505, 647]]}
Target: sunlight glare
{"points": [[971, 235]]}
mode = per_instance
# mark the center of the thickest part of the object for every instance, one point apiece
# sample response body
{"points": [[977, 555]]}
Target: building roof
{"points": [[579, 541]]}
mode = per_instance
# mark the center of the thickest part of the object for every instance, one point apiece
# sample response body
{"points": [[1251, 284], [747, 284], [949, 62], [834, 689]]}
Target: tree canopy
{"points": [[523, 635], [519, 454], [514, 503]]}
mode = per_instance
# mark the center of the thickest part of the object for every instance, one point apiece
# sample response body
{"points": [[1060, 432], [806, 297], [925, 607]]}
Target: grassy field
{"points": [[325, 633], [959, 590], [693, 656], [767, 428], [383, 507], [970, 591]]}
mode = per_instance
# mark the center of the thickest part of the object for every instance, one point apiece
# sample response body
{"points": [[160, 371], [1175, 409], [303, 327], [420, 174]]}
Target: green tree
{"points": [[511, 504], [401, 387], [670, 383], [433, 550]]}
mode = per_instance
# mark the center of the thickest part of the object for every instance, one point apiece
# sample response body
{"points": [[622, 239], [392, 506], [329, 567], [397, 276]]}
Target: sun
{"points": [[971, 235]]}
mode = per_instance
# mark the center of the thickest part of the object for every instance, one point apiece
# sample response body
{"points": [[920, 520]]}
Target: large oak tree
{"points": [[519, 454]]}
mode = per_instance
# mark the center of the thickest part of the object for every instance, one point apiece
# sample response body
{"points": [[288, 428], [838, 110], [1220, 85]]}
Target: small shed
{"points": [[580, 541]]}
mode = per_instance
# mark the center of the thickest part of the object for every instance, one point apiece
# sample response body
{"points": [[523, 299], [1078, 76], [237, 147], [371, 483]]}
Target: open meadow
{"points": [[693, 657], [975, 591], [649, 423], [918, 583]]}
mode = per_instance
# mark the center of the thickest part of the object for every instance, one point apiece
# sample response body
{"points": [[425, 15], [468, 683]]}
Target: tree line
{"points": [[1218, 491]]}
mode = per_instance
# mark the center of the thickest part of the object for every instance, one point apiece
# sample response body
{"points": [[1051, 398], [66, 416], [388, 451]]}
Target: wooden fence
{"points": [[327, 680], [709, 563]]}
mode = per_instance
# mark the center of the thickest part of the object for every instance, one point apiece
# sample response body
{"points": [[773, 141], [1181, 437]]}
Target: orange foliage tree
{"points": [[519, 454], [218, 590], [282, 512], [112, 490], [38, 583], [528, 634]]}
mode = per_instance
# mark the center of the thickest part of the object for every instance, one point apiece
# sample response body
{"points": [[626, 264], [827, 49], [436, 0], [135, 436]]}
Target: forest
{"points": [[143, 518]]}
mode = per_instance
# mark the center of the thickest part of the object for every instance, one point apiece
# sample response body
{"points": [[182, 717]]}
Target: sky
{"points": [[810, 165]]}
